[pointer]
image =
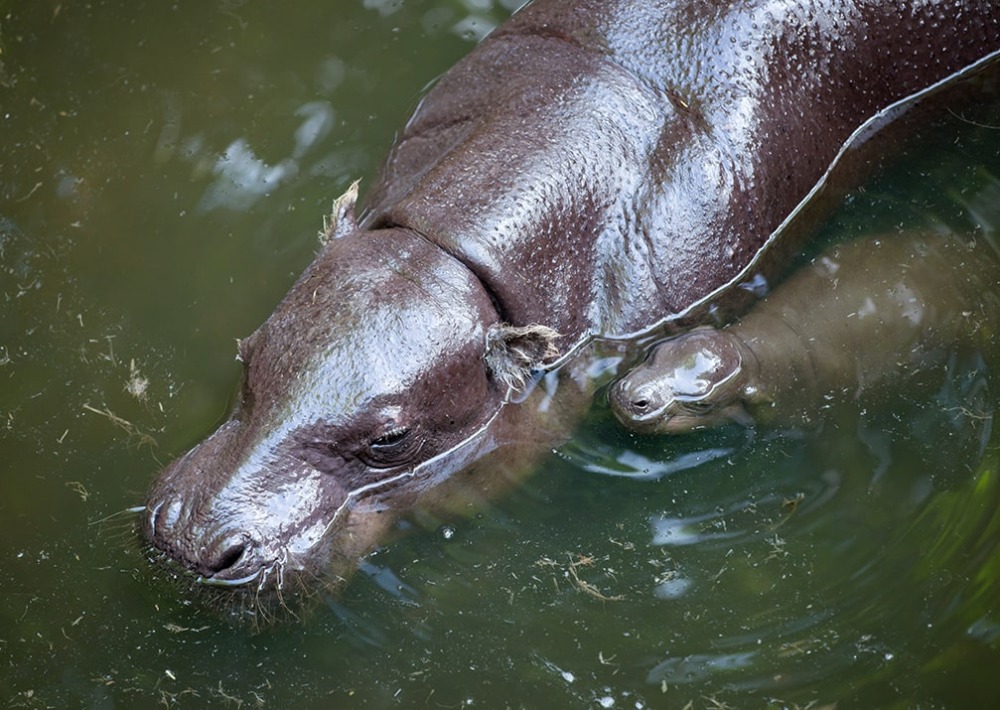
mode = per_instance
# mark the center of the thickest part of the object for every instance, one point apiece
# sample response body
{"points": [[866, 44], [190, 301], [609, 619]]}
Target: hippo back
{"points": [[604, 164]]}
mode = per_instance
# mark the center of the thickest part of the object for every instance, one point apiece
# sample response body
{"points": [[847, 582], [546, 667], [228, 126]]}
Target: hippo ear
{"points": [[512, 352], [342, 220], [245, 347]]}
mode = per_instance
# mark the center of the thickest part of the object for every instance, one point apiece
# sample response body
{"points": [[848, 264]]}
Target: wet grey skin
{"points": [[864, 316], [591, 168]]}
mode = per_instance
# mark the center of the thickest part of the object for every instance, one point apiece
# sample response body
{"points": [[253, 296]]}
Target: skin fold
{"points": [[590, 169], [863, 316]]}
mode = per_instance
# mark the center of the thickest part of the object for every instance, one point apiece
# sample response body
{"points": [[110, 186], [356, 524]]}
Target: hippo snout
{"points": [[200, 516], [225, 555]]}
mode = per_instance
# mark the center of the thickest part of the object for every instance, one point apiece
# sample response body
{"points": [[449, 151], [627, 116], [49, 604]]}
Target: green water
{"points": [[163, 171]]}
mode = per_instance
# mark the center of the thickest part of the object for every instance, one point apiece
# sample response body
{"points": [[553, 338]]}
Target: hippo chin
{"points": [[592, 168]]}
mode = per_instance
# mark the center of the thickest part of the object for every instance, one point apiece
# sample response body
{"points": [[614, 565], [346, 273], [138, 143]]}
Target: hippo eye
{"points": [[392, 448], [391, 439]]}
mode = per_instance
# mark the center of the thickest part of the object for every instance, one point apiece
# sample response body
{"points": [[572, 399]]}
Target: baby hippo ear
{"points": [[512, 352]]}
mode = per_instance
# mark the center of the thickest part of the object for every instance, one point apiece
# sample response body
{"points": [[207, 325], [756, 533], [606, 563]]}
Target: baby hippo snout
{"points": [[692, 381], [202, 518]]}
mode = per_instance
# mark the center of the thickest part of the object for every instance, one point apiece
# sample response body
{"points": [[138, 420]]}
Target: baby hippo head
{"points": [[384, 360], [696, 380]]}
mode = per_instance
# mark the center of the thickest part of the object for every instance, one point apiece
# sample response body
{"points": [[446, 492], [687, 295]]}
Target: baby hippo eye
{"points": [[392, 448]]}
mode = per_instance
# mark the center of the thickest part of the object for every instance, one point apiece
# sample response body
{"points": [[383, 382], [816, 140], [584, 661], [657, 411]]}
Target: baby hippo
{"points": [[863, 315]]}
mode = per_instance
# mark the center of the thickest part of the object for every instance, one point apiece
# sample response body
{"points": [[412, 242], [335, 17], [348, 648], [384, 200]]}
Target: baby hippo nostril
{"points": [[640, 405], [626, 401]]}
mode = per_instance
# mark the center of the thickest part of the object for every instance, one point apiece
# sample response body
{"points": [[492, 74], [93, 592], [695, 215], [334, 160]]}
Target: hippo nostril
{"points": [[231, 557], [629, 401], [640, 405], [228, 555]]}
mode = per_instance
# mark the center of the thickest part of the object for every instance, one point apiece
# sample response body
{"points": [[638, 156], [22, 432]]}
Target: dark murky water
{"points": [[163, 171]]}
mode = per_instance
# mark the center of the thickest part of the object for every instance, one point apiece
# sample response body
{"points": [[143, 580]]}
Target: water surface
{"points": [[163, 173]]}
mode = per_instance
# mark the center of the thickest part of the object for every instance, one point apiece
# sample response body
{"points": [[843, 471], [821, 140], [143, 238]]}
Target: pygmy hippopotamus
{"points": [[590, 169], [863, 316]]}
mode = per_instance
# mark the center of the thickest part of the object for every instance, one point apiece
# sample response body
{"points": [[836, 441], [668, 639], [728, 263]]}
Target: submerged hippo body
{"points": [[591, 168], [863, 316]]}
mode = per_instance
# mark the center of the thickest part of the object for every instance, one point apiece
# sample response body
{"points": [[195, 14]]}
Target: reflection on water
{"points": [[163, 173]]}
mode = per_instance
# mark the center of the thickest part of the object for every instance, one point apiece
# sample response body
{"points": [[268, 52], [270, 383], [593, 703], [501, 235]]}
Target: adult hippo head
{"points": [[386, 353]]}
